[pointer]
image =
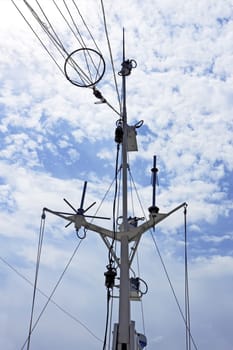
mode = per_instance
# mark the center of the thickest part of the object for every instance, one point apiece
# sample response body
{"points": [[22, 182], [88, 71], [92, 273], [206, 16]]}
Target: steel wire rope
{"points": [[120, 188], [136, 191], [132, 184], [92, 37], [37, 36], [39, 248], [187, 307], [78, 38], [110, 52], [89, 32], [74, 318], [107, 313], [171, 286], [53, 291], [107, 319], [110, 324], [59, 280], [110, 259], [56, 41], [131, 194], [166, 272], [114, 204], [103, 199], [54, 37], [141, 302], [81, 42]]}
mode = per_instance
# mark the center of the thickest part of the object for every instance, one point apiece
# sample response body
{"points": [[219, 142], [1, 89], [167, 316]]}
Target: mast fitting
{"points": [[119, 132], [127, 66], [110, 275], [98, 95]]}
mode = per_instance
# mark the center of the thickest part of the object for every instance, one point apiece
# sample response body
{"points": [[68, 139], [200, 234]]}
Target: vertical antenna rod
{"points": [[124, 144], [154, 170]]}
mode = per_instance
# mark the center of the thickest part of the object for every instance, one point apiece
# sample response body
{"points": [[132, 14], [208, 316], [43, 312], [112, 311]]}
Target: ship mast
{"points": [[124, 302], [125, 336], [85, 67]]}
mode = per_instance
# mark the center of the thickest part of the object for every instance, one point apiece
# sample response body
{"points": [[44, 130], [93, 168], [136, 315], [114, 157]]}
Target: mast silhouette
{"points": [[124, 302], [124, 336]]}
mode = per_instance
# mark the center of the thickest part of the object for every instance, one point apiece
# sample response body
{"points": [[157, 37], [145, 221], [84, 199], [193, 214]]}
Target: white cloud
{"points": [[182, 89]]}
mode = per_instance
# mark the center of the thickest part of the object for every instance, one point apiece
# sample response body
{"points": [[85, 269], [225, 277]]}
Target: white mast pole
{"points": [[124, 302]]}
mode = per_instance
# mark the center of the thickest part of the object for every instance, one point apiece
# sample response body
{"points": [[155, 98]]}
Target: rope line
{"points": [[37, 36], [171, 286], [110, 52], [57, 42], [107, 318], [77, 37], [52, 293], [186, 317], [187, 307], [49, 30], [114, 204], [141, 302], [54, 37], [89, 32], [74, 318], [40, 242], [110, 325]]}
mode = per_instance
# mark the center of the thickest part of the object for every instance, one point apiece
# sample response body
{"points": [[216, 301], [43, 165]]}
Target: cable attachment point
{"points": [[43, 216], [81, 236], [134, 221], [135, 288], [139, 124], [98, 95], [119, 132], [110, 275], [153, 210], [127, 66]]}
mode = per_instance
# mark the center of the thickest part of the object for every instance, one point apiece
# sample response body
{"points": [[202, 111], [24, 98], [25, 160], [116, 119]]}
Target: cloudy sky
{"points": [[53, 137]]}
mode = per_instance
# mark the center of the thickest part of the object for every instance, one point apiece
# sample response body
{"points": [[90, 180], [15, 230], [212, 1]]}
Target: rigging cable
{"points": [[114, 205], [110, 325], [89, 32], [81, 41], [41, 236], [52, 293], [110, 52], [187, 308], [74, 318], [141, 302], [132, 183], [37, 36], [171, 286], [57, 42], [53, 37], [190, 337], [77, 37], [107, 318], [111, 269]]}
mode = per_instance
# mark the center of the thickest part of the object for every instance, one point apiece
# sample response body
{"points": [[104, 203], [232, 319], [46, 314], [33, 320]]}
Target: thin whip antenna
{"points": [[110, 52]]}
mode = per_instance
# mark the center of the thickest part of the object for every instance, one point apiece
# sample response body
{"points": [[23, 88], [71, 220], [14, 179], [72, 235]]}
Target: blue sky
{"points": [[53, 137]]}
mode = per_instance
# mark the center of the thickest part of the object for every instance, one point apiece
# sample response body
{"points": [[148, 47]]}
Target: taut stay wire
{"points": [[31, 328]]}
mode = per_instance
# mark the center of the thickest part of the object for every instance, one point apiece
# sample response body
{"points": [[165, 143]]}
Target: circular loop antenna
{"points": [[84, 67]]}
